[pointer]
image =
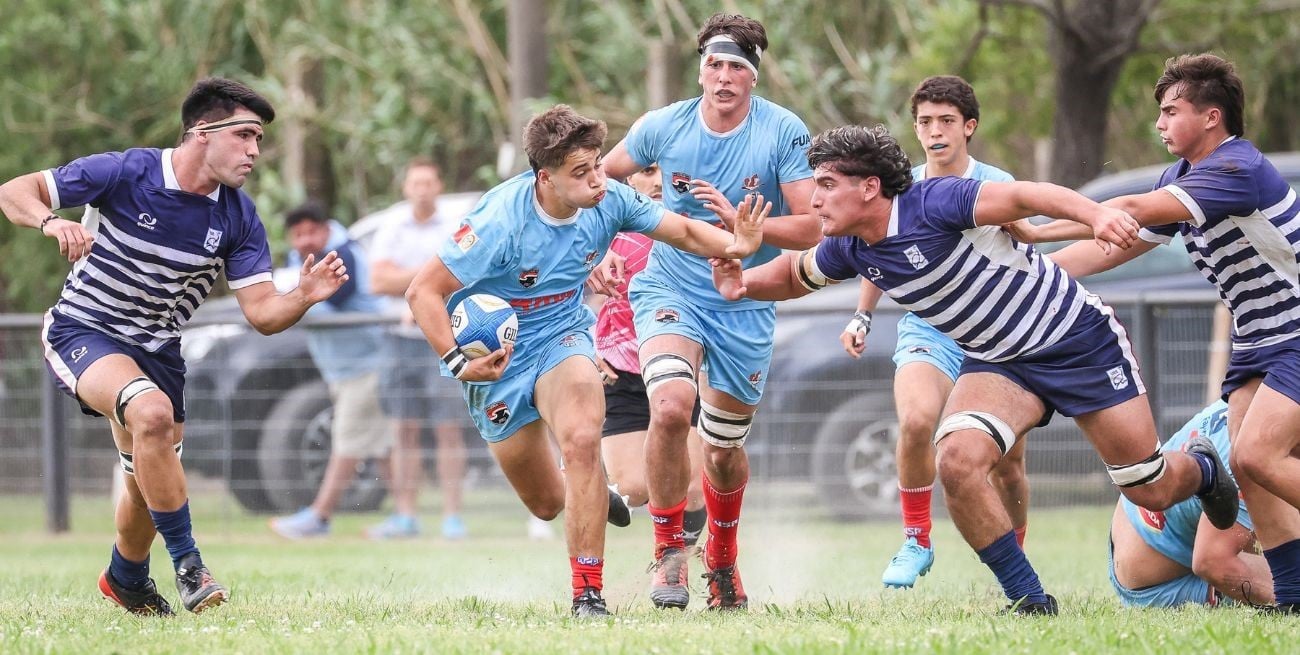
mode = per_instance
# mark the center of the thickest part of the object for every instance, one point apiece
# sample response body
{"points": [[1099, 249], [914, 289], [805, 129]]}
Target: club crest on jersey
{"points": [[1118, 379], [569, 340], [665, 315], [590, 262], [498, 412], [755, 378], [750, 182], [465, 237], [915, 257], [213, 241], [528, 278], [681, 182]]}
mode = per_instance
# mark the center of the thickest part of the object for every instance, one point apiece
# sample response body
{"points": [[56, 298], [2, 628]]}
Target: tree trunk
{"points": [[526, 37]]}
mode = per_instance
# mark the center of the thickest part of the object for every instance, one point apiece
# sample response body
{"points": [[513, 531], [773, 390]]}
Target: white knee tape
{"points": [[722, 428], [666, 367], [128, 461], [1144, 472], [985, 422], [128, 393]]}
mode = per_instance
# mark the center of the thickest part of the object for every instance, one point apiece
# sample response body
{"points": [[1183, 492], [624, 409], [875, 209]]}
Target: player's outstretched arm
{"points": [[775, 280], [25, 201], [427, 297], [270, 312], [854, 336], [1158, 207], [1086, 257], [703, 239], [1220, 558], [1052, 231], [1003, 202]]}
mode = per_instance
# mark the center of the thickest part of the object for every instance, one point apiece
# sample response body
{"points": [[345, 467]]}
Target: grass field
{"points": [[814, 588]]}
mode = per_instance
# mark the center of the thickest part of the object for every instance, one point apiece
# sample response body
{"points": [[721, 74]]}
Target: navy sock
{"points": [[1284, 562], [1012, 569], [693, 522], [176, 532], [132, 575], [1207, 471]]}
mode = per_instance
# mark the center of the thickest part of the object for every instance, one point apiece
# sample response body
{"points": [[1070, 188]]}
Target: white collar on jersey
{"points": [[169, 175], [893, 217], [551, 220], [970, 169]]}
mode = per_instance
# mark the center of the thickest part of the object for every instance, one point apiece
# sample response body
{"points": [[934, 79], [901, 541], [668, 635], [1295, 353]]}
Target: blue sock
{"points": [[1284, 562], [132, 575], [1207, 471], [176, 532], [1012, 569]]}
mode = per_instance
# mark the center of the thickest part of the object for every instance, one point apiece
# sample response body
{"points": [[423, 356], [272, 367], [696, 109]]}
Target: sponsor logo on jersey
{"points": [[1118, 379], [569, 340], [800, 141], [873, 273], [528, 278], [919, 350], [665, 315], [79, 353], [465, 237], [750, 183], [497, 412], [146, 221], [1153, 520], [915, 257], [213, 241], [525, 305], [591, 262], [755, 378], [681, 182]]}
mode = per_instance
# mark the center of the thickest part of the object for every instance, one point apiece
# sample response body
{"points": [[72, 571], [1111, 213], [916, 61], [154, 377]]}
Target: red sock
{"points": [[587, 572], [916, 513], [724, 522], [1020, 535], [668, 526]]}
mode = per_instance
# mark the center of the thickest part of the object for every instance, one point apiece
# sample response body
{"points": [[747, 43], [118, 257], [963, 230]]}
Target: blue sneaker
{"points": [[912, 561], [396, 526], [302, 525], [453, 528]]}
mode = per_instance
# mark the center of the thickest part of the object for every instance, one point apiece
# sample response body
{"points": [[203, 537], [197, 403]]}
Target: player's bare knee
{"points": [[545, 509], [957, 466], [916, 427], [151, 422]]}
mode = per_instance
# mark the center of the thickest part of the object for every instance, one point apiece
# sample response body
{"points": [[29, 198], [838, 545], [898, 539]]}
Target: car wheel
{"points": [[853, 462], [294, 450]]}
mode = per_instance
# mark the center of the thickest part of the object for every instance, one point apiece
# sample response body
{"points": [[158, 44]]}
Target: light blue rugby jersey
{"points": [[976, 170], [1172, 533], [158, 250], [1244, 237], [509, 247], [765, 151]]}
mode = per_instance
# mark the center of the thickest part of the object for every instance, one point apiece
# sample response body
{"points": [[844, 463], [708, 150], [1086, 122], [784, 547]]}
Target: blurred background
{"points": [[360, 88]]}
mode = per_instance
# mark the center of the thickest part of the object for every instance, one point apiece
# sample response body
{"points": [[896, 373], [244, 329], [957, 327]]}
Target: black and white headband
{"points": [[725, 48]]}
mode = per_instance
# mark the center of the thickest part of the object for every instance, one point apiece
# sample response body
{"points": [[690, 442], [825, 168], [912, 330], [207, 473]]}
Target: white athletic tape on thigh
{"points": [[128, 393], [722, 428], [806, 270], [985, 422], [128, 462], [666, 367], [1144, 472]]}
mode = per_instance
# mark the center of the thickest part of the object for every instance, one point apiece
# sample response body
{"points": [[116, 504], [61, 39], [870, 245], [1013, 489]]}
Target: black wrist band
{"points": [[47, 219], [456, 361]]}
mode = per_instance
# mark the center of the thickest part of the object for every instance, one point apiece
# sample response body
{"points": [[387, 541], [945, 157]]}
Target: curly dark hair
{"points": [[746, 32], [552, 135], [214, 98], [1206, 80], [860, 151]]}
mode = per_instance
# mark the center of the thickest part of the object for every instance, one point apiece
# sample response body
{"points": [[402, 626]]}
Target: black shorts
{"points": [[627, 409]]}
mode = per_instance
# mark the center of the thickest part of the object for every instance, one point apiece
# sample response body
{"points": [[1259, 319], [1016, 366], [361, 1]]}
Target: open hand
{"points": [[747, 229], [319, 280], [714, 201]]}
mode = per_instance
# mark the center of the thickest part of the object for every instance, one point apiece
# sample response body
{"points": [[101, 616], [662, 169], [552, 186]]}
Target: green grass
{"points": [[814, 588]]}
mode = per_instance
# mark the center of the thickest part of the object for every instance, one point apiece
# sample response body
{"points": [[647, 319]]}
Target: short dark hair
{"points": [[308, 211], [1206, 80], [746, 32], [859, 151], [214, 98], [947, 89], [551, 135]]}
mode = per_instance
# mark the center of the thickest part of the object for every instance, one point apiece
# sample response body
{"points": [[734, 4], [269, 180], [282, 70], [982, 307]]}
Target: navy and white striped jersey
{"points": [[998, 299], [158, 250], [1242, 237]]}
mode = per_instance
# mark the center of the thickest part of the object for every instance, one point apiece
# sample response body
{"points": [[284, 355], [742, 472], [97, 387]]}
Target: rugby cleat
{"points": [[198, 590], [145, 602], [911, 562], [668, 587], [1023, 608], [620, 515], [1285, 609], [725, 591], [589, 604], [1219, 502]]}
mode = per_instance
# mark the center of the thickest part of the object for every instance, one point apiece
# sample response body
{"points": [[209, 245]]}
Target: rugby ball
{"points": [[482, 324]]}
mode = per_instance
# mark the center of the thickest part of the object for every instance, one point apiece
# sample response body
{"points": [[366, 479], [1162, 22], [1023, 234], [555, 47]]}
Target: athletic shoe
{"points": [[453, 528], [198, 590], [1291, 609], [668, 587], [397, 526], [145, 602], [912, 561], [589, 604], [304, 524], [725, 591], [1023, 608], [620, 515], [1219, 502]]}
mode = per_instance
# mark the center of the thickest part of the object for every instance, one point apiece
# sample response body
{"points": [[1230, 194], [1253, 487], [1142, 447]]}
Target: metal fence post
{"points": [[54, 456]]}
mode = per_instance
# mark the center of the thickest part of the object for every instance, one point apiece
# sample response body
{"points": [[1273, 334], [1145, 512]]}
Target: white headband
{"points": [[725, 48]]}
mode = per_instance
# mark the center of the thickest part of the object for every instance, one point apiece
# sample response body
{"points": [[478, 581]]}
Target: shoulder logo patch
{"points": [[465, 237]]}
